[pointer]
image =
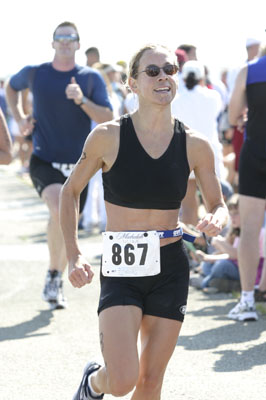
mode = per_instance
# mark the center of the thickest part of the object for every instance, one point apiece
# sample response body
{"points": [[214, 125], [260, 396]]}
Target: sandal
{"points": [[260, 296]]}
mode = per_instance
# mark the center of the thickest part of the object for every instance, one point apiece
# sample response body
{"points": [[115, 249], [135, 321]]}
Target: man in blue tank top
{"points": [[66, 97], [250, 92]]}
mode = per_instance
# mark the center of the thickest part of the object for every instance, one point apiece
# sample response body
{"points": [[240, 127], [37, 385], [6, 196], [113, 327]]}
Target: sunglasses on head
{"points": [[68, 38], [153, 70]]}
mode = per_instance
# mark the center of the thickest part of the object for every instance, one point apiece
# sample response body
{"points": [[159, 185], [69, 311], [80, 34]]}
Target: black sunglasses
{"points": [[153, 70]]}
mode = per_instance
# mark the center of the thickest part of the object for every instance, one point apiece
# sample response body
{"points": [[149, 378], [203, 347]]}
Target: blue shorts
{"points": [[163, 295]]}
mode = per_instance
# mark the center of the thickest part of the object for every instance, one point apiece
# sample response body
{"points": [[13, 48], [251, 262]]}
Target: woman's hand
{"points": [[210, 225], [80, 272]]}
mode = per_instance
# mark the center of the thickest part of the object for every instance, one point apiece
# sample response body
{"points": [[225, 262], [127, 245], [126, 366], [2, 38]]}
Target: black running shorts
{"points": [[43, 174], [163, 295], [252, 174]]}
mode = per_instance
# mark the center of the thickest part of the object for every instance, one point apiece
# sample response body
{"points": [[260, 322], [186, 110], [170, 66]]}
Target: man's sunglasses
{"points": [[68, 38], [153, 70]]}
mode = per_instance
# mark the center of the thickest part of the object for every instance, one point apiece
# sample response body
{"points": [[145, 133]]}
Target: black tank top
{"points": [[137, 180]]}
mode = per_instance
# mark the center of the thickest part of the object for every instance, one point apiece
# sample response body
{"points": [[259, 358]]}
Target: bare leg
{"points": [[251, 220], [119, 327], [57, 252], [158, 341]]}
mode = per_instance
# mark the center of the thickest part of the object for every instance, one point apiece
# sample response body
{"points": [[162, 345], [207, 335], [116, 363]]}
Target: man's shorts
{"points": [[163, 295], [252, 174], [43, 174]]}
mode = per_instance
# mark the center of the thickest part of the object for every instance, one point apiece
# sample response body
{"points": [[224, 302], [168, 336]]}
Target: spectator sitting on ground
{"points": [[219, 271]]}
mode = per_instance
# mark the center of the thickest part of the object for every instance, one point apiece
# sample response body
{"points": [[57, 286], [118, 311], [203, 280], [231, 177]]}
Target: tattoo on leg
{"points": [[101, 341], [83, 157]]}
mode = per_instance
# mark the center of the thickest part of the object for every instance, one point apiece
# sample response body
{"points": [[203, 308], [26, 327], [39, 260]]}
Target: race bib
{"points": [[129, 254]]}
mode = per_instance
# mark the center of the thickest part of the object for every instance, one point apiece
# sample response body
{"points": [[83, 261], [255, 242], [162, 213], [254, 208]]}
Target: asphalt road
{"points": [[42, 352]]}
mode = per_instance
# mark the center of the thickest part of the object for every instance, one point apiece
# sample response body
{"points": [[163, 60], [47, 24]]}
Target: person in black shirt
{"points": [[146, 159]]}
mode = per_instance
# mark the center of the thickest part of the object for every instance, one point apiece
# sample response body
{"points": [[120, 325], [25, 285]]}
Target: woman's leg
{"points": [[119, 327], [158, 341]]}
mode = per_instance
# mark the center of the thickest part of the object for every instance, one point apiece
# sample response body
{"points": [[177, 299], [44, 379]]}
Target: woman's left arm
{"points": [[201, 158]]}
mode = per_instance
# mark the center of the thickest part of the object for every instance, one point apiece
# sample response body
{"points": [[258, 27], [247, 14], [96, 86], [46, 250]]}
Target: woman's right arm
{"points": [[94, 156]]}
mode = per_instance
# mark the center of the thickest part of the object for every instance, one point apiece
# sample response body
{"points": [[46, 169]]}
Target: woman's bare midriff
{"points": [[131, 219]]}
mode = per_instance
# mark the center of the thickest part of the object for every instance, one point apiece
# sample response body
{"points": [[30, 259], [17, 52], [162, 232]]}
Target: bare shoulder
{"points": [[107, 131], [103, 143], [198, 148], [196, 141]]}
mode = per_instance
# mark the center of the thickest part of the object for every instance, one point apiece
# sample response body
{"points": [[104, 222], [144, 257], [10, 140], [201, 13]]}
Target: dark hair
{"points": [[92, 50], [134, 63], [66, 23], [191, 81], [187, 47]]}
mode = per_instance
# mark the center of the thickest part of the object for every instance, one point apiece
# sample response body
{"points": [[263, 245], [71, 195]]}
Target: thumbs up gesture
{"points": [[73, 91]]}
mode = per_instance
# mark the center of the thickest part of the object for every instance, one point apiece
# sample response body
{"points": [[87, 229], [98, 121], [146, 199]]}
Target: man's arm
{"points": [[97, 113], [24, 122], [238, 101], [5, 141], [13, 102]]}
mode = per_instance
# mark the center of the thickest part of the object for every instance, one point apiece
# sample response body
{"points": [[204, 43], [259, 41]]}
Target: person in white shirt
{"points": [[198, 107]]}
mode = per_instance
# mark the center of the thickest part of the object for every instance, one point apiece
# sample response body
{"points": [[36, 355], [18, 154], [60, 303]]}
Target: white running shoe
{"points": [[243, 312], [53, 290]]}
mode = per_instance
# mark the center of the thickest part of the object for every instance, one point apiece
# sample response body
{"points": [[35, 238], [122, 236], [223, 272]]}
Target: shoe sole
{"points": [[244, 317], [56, 305]]}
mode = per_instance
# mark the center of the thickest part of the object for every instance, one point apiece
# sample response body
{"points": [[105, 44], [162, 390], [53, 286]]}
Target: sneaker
{"points": [[243, 312], [61, 301], [53, 290], [84, 392]]}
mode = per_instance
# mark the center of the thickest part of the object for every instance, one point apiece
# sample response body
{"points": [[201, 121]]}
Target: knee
{"points": [[54, 213], [150, 385], [121, 385], [218, 269]]}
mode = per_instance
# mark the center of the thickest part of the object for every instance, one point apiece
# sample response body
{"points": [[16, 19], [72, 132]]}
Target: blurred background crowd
{"points": [[202, 104]]}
